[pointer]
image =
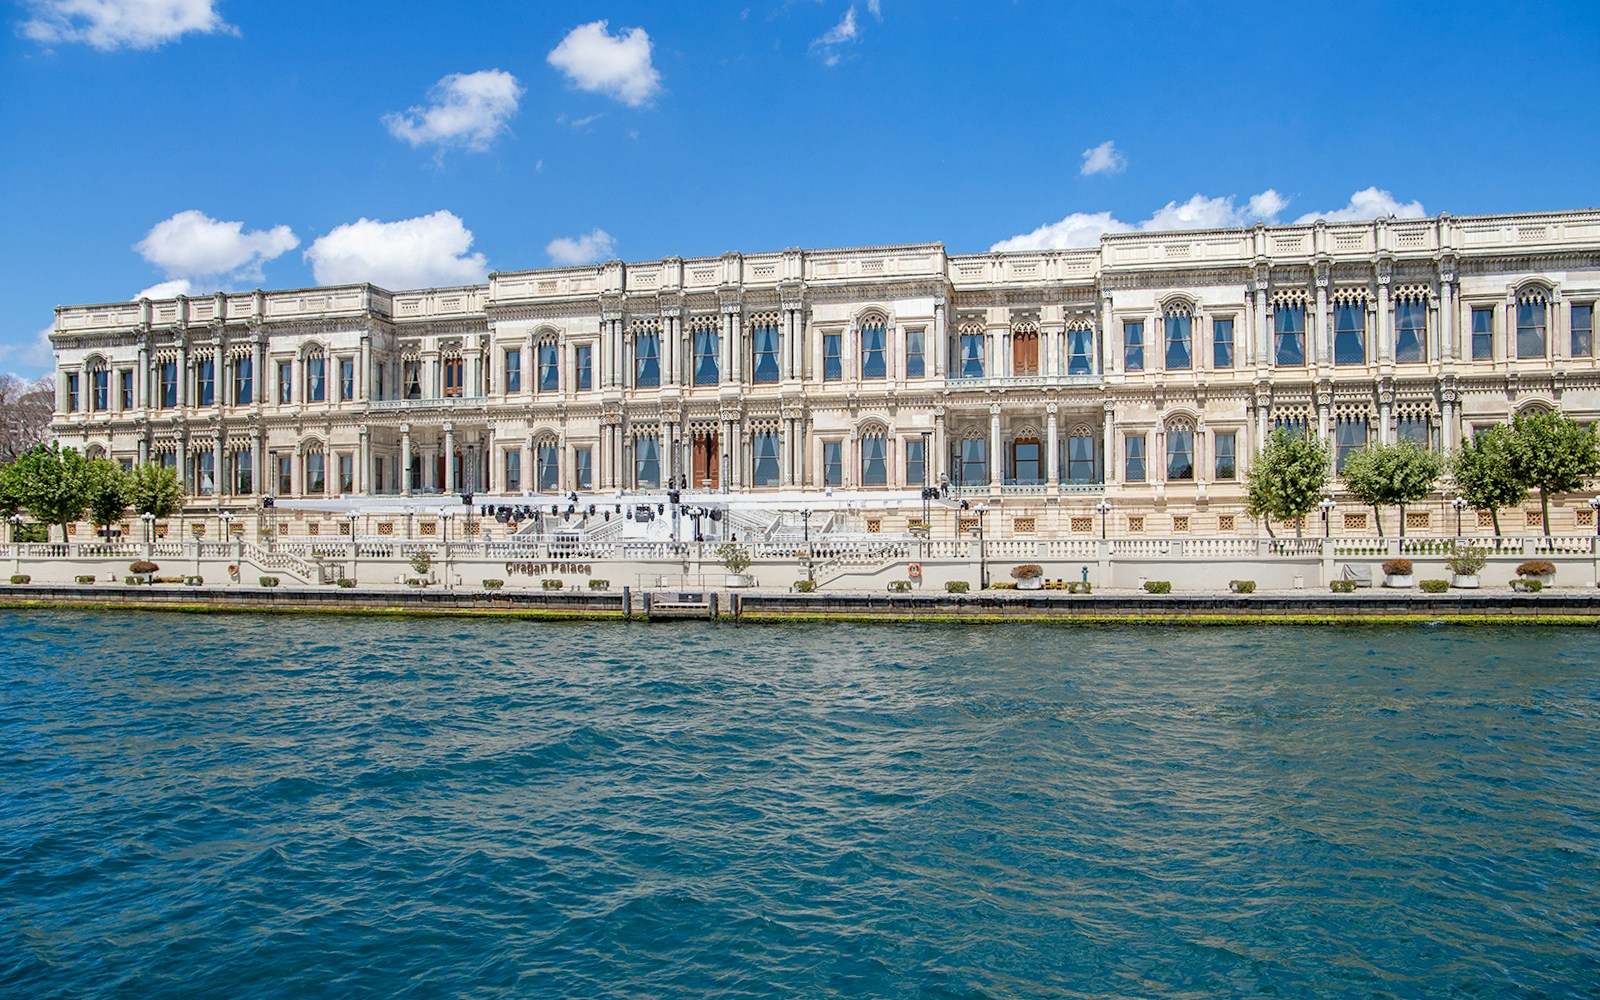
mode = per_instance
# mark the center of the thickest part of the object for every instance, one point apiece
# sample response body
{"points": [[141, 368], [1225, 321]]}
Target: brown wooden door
{"points": [[707, 460]]}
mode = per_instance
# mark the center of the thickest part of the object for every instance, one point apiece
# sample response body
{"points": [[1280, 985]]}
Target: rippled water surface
{"points": [[237, 806]]}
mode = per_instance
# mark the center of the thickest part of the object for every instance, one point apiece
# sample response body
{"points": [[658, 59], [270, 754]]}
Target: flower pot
{"points": [[1400, 581], [1035, 583], [1464, 581], [740, 580]]}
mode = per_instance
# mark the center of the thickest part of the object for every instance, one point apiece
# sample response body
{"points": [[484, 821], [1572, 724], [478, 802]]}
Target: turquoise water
{"points": [[238, 806]]}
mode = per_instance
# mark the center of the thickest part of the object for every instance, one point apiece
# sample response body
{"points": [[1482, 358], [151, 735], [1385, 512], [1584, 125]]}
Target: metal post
{"points": [[1104, 507]]}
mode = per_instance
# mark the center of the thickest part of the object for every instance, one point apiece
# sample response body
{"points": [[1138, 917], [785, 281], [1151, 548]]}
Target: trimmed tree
{"points": [[52, 483], [1552, 453], [1287, 478], [108, 493], [1483, 473], [1385, 475], [153, 489]]}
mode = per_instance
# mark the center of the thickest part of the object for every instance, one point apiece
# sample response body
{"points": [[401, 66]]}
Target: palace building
{"points": [[1144, 372]]}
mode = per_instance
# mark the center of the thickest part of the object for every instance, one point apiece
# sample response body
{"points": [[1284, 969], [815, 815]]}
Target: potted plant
{"points": [[1397, 573], [1029, 576], [1465, 562], [1538, 569], [421, 562], [735, 558], [1242, 586], [144, 568]]}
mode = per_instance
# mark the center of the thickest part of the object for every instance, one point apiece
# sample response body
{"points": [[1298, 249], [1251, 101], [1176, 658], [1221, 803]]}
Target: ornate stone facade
{"points": [[1145, 372]]}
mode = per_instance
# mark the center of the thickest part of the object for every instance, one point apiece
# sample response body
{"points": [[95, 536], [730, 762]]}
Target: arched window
{"points": [[549, 365], [972, 350], [1411, 326], [764, 457], [764, 351], [1289, 327], [647, 358], [316, 377], [99, 385], [455, 375], [316, 470], [1349, 436], [1082, 445], [971, 461], [873, 337], [875, 458], [1531, 315], [647, 461], [1080, 350], [1025, 350], [704, 340], [1350, 330], [1180, 340], [1027, 460], [1180, 450], [547, 465]]}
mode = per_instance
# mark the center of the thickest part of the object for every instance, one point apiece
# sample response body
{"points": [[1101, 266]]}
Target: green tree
{"points": [[1552, 453], [10, 502], [1384, 475], [52, 483], [108, 493], [1287, 478], [153, 489], [1483, 472]]}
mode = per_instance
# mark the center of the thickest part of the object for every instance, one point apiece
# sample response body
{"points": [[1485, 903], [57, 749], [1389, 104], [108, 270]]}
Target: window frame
{"points": [[1135, 454], [874, 352], [244, 379], [1343, 335], [513, 364], [1586, 330], [916, 354], [1184, 322], [1222, 348], [1286, 334], [833, 357], [1133, 345], [1482, 344]]}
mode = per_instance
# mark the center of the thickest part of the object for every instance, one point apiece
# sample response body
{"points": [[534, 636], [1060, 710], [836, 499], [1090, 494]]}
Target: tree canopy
{"points": [[52, 483], [107, 486], [1484, 474], [1288, 478], [154, 489], [1384, 475], [1552, 453]]}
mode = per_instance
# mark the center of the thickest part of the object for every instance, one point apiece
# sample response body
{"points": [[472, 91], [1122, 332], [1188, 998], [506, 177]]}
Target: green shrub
{"points": [[805, 586], [551, 584], [899, 586], [21, 578], [84, 579], [957, 587], [1158, 586], [1537, 567], [493, 584], [1242, 586], [170, 579], [1434, 586], [269, 581], [133, 581], [1343, 586], [599, 584], [420, 562], [193, 581], [345, 582], [1002, 586], [1467, 560], [1078, 587], [1527, 585]]}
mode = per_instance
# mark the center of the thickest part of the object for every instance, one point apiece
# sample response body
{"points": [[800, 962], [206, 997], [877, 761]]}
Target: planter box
{"points": [[1465, 581], [740, 580], [1400, 581], [1037, 583]]}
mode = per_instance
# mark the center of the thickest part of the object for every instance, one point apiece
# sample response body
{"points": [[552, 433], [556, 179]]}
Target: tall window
{"points": [[764, 454], [549, 367], [1180, 452], [1024, 353], [455, 376], [1133, 450], [1290, 325], [972, 355], [316, 474], [1583, 330], [1179, 345], [243, 471], [647, 360], [916, 358], [205, 473], [243, 381], [1222, 343], [1081, 460], [647, 461], [285, 475], [972, 466], [1224, 444], [916, 462], [833, 463], [547, 467], [169, 384], [100, 388], [72, 393], [513, 370], [1350, 436], [347, 473], [1410, 330], [1027, 465], [1414, 427], [705, 356], [1080, 352], [1530, 327], [1350, 333], [1482, 334], [413, 378], [1133, 346], [584, 362], [875, 459], [285, 382], [764, 354], [316, 379], [205, 383], [513, 470], [872, 349], [832, 365], [347, 379], [125, 388], [583, 468]]}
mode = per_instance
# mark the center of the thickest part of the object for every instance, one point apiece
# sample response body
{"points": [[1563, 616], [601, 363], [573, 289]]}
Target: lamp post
{"points": [[1327, 504], [1104, 507], [16, 547], [227, 537], [1594, 505], [805, 537], [983, 566], [149, 520], [355, 546], [1460, 504], [445, 515]]}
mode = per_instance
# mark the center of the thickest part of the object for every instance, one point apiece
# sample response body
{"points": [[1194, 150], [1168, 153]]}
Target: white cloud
{"points": [[193, 245], [1369, 203], [429, 251], [36, 355], [876, 7], [1103, 159], [468, 110], [166, 289], [1083, 229], [617, 66], [829, 46], [115, 24], [594, 246]]}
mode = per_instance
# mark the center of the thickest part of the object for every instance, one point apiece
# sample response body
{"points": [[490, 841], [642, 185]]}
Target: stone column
{"points": [[941, 340], [1324, 353], [216, 466], [996, 459], [1108, 445], [183, 372], [1385, 319], [1109, 341], [1053, 444], [258, 461], [363, 483], [938, 463], [449, 484], [1447, 315], [219, 386], [405, 460], [141, 378], [364, 375]]}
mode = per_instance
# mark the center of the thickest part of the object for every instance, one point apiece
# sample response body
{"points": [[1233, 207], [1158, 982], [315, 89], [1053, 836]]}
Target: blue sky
{"points": [[204, 144]]}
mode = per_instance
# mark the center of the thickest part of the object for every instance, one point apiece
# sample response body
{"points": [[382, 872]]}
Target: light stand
{"points": [[1327, 504], [1460, 504], [1104, 507]]}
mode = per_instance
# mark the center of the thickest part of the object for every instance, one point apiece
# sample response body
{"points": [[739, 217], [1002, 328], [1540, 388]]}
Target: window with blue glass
{"points": [[1133, 346], [316, 473], [873, 364], [1483, 334], [1583, 330], [514, 370], [1180, 453], [972, 465], [647, 461], [1530, 327], [71, 405], [1180, 354], [1222, 343], [764, 458], [547, 467], [1080, 352], [169, 384], [316, 379], [832, 364], [101, 389], [205, 383], [125, 388], [1410, 329], [1081, 465], [972, 355], [243, 471], [584, 362], [1414, 426], [1349, 333], [705, 356], [583, 468], [1224, 444], [243, 381], [1027, 463], [833, 463], [514, 470], [647, 360], [764, 354], [1289, 323], [916, 358], [875, 459], [347, 379], [1133, 450], [1349, 437], [916, 462], [205, 473], [549, 367], [285, 382]]}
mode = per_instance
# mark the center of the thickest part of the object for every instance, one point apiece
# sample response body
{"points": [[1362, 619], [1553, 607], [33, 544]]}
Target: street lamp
{"points": [[1327, 504], [149, 520], [983, 566], [16, 526], [1104, 507], [1594, 505], [805, 521], [1460, 504], [445, 515]]}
